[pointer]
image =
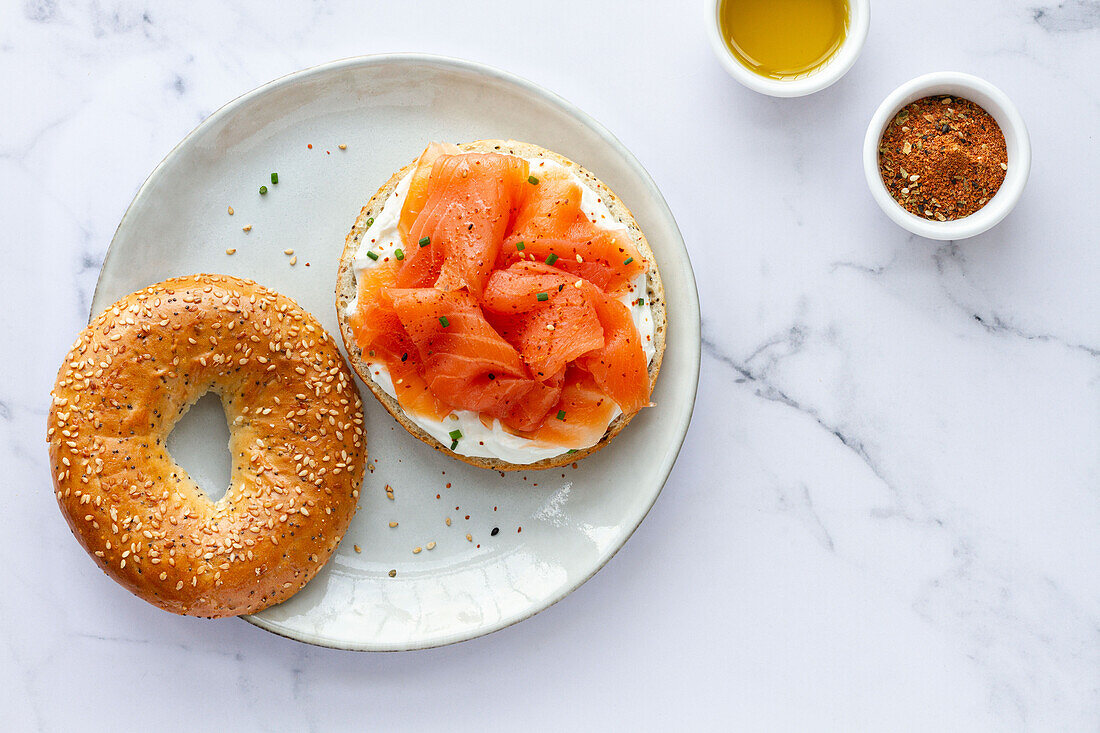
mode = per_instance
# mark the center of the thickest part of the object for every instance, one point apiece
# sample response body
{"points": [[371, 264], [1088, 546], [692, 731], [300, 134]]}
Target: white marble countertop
{"points": [[885, 514]]}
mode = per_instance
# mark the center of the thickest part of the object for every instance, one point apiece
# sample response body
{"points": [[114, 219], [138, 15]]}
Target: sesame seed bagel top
{"points": [[296, 438]]}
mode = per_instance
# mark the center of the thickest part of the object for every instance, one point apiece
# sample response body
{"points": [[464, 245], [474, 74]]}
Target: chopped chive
{"points": [[444, 322], [571, 451], [640, 301], [274, 177], [520, 246], [399, 254], [561, 287], [425, 241], [263, 190], [372, 255], [454, 444], [532, 180], [542, 296], [405, 356], [551, 258], [455, 434], [370, 221], [628, 260], [371, 352], [561, 415]]}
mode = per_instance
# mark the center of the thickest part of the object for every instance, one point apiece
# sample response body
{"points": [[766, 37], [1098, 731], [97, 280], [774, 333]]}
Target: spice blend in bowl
{"points": [[942, 157]]}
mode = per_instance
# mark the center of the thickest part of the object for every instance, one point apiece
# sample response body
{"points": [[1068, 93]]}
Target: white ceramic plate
{"points": [[384, 109]]}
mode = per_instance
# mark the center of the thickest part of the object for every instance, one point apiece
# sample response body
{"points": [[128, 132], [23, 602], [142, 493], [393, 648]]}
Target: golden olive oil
{"points": [[783, 38]]}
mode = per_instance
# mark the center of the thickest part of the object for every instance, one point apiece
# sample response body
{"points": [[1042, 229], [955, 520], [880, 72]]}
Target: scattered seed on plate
{"points": [[495, 532], [447, 520], [416, 550], [230, 251], [357, 548], [393, 524], [469, 538], [288, 251], [246, 228], [342, 146], [294, 261], [393, 573], [430, 545], [231, 211]]}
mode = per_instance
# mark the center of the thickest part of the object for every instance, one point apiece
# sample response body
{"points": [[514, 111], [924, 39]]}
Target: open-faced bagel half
{"points": [[346, 293]]}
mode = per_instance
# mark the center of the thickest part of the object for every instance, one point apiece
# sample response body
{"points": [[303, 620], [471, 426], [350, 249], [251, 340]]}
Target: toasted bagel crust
{"points": [[296, 438], [346, 293]]}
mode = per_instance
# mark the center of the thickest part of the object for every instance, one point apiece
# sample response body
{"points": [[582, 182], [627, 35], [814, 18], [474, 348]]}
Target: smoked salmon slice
{"points": [[539, 310], [456, 238], [620, 367], [465, 362], [581, 415], [379, 333], [418, 184], [551, 224]]}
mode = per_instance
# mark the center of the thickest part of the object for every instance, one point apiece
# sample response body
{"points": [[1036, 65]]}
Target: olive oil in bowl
{"points": [[783, 39]]}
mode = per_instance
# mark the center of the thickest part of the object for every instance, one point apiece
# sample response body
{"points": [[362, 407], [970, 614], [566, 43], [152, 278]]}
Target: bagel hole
{"points": [[199, 443]]}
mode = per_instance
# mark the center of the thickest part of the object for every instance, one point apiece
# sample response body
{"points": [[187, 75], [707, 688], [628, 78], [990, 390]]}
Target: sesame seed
{"points": [[393, 524], [231, 211], [430, 545], [416, 550], [288, 251], [231, 251], [246, 228], [357, 548], [393, 573]]}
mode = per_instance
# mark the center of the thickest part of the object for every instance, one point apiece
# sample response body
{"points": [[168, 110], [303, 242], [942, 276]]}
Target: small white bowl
{"points": [[859, 20], [993, 101]]}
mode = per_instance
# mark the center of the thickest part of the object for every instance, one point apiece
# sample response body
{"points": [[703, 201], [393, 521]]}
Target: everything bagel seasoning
{"points": [[942, 158]]}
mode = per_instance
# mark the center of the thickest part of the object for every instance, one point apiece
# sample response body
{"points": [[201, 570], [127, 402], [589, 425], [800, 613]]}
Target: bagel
{"points": [[346, 293], [297, 444]]}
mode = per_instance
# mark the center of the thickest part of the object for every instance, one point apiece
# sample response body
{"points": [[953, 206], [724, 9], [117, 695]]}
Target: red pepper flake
{"points": [[437, 496], [467, 516], [519, 529], [310, 146], [448, 486]]}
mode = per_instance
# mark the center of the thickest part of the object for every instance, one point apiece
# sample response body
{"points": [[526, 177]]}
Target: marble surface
{"points": [[885, 514]]}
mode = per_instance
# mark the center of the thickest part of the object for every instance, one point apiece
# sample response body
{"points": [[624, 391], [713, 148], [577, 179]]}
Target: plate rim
{"points": [[691, 291]]}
